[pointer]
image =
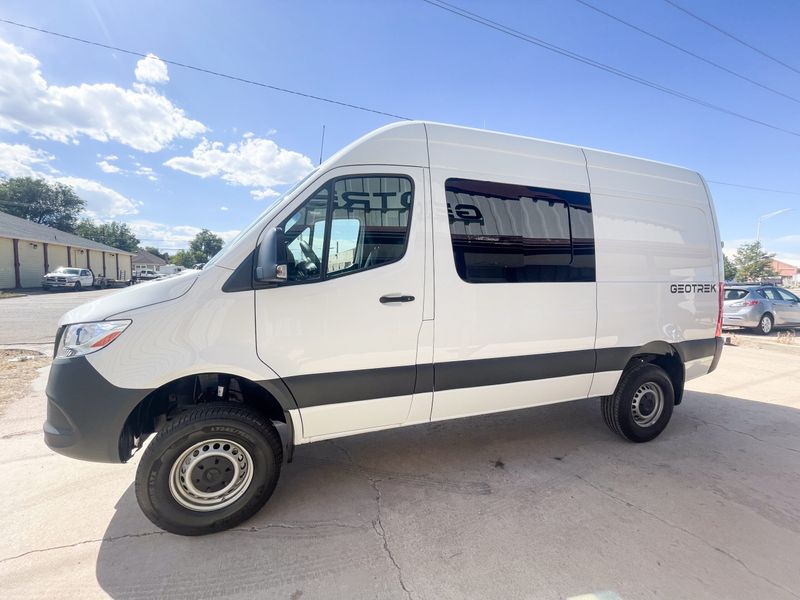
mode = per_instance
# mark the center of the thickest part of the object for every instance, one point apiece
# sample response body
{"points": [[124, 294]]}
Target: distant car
{"points": [[146, 275], [199, 266], [68, 278], [760, 307]]}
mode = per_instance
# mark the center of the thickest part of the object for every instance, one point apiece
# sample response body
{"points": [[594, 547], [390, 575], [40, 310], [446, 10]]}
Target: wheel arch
{"points": [[666, 356], [270, 398]]}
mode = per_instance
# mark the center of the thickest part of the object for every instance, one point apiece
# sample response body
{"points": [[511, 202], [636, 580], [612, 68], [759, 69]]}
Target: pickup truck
{"points": [[69, 278], [146, 275]]}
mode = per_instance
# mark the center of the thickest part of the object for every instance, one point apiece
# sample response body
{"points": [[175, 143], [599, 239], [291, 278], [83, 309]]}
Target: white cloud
{"points": [[20, 160], [146, 172], [101, 201], [140, 117], [171, 237], [111, 157], [151, 70], [254, 162], [107, 167], [263, 194], [223, 208]]}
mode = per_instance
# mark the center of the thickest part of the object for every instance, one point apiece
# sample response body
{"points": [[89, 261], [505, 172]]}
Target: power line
{"points": [[689, 52], [207, 71], [730, 35], [753, 187], [598, 65]]}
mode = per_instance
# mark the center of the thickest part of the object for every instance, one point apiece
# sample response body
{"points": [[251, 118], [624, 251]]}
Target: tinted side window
{"points": [[735, 294], [787, 295], [771, 293], [505, 233]]}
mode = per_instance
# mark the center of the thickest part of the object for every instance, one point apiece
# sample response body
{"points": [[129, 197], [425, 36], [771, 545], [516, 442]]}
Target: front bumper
{"points": [[58, 284], [85, 412]]}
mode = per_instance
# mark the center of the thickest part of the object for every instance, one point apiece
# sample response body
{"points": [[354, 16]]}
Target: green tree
{"points": [[205, 245], [184, 258], [156, 252], [730, 269], [752, 262], [114, 234], [53, 204]]}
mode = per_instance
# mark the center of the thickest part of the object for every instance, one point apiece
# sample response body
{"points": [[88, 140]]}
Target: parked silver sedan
{"points": [[760, 307]]}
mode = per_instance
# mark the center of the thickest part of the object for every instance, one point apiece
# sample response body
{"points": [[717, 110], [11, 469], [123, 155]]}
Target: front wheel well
{"points": [[180, 395]]}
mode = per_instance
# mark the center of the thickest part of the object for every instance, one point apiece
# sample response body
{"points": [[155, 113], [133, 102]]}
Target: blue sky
{"points": [[198, 151]]}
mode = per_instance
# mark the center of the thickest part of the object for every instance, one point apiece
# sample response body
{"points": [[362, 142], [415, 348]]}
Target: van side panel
{"points": [[654, 230], [500, 344]]}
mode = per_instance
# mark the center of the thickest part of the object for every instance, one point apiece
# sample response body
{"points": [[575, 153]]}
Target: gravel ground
{"points": [[18, 369]]}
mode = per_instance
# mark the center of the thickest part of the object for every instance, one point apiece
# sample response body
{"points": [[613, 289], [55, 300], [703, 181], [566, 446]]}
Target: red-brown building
{"points": [[789, 274]]}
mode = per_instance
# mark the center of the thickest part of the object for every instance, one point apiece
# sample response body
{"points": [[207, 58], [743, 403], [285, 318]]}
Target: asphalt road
{"points": [[33, 318], [540, 503]]}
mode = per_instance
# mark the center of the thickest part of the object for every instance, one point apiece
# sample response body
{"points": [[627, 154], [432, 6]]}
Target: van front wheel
{"points": [[208, 470], [642, 404]]}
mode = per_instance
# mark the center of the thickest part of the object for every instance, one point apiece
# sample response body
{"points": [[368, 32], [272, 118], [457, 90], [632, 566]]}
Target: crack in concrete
{"points": [[607, 492], [81, 543], [20, 434], [750, 435], [344, 451], [310, 525], [301, 526], [377, 525]]}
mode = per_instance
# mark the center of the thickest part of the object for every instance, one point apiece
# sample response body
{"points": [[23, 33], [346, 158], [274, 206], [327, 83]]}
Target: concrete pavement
{"points": [[33, 319], [540, 503]]}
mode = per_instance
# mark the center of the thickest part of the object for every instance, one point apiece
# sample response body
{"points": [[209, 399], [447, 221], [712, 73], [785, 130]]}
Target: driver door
{"points": [[342, 330]]}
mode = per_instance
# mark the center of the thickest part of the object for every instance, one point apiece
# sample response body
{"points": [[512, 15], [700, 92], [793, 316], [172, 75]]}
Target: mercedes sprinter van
{"points": [[425, 272]]}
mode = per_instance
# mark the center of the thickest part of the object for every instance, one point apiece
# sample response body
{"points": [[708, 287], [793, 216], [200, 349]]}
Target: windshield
{"points": [[67, 271], [257, 220]]}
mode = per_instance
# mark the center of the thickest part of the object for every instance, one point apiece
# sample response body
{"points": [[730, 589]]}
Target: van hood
{"points": [[135, 296]]}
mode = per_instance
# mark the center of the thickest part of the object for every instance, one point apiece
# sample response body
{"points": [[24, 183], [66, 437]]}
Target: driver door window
{"points": [[304, 234], [349, 225]]}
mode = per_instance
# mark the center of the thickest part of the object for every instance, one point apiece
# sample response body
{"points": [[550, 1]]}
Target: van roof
{"points": [[414, 134]]}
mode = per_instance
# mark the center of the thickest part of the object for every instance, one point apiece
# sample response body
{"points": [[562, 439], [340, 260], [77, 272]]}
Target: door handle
{"points": [[398, 298]]}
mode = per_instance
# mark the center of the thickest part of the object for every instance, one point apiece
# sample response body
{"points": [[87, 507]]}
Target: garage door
{"points": [[96, 260], [31, 264], [124, 267], [6, 264], [56, 256]]}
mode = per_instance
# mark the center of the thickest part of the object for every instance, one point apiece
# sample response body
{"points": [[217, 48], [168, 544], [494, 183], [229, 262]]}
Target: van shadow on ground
{"points": [[542, 502]]}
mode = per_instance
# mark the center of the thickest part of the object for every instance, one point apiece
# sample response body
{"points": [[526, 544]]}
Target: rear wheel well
{"points": [[670, 362], [176, 397]]}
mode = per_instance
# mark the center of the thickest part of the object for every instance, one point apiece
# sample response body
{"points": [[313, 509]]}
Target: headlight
{"points": [[85, 338]]}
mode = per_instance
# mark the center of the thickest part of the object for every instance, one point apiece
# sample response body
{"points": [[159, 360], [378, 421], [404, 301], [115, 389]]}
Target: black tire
{"points": [[77, 286], [625, 417], [765, 324], [238, 425]]}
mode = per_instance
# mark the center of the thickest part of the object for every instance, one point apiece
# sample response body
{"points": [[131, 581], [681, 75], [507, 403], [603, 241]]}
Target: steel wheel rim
{"points": [[766, 324], [211, 475], [648, 404]]}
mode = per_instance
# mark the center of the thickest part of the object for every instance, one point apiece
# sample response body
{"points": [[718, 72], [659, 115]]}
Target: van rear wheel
{"points": [[209, 470], [641, 406]]}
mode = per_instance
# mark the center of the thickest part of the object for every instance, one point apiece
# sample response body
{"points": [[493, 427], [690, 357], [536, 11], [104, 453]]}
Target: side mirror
{"points": [[271, 258]]}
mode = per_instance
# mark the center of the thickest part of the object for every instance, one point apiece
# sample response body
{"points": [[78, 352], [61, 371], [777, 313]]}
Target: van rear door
{"points": [[342, 330]]}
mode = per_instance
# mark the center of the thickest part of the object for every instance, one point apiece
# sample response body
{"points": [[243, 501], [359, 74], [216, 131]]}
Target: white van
{"points": [[425, 272]]}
